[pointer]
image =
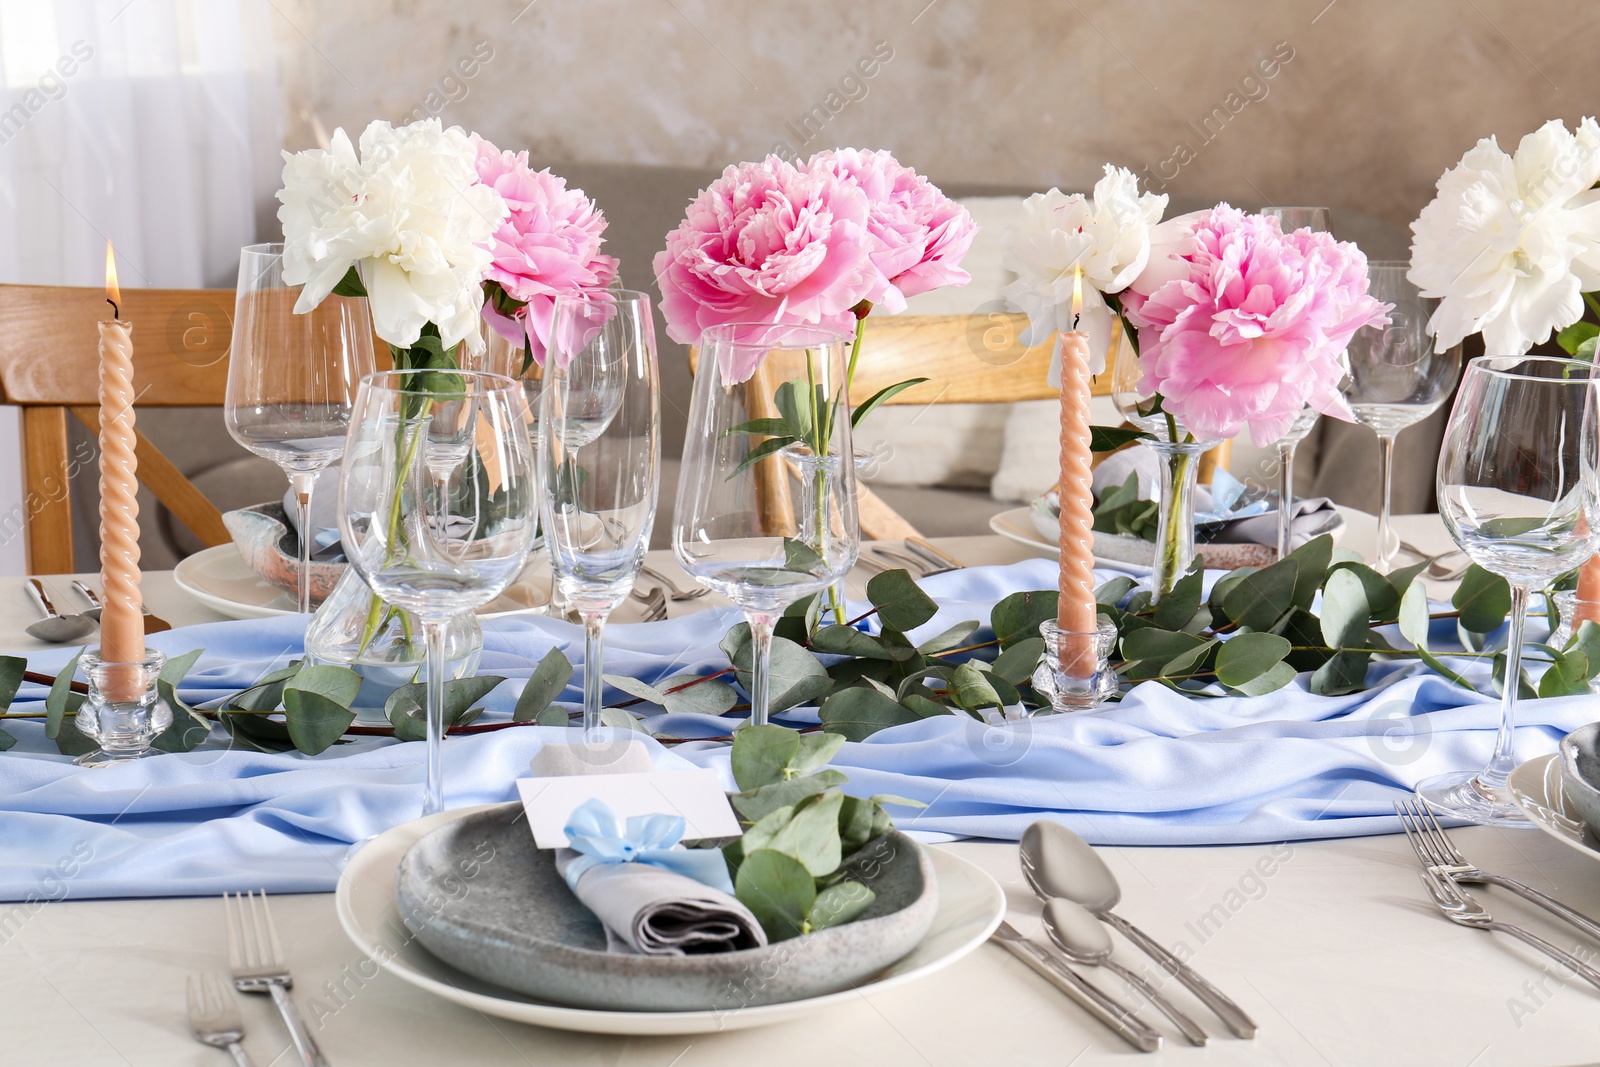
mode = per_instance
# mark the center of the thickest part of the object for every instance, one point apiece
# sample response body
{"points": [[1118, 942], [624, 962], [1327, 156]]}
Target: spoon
{"points": [[55, 627], [1083, 938], [1059, 863]]}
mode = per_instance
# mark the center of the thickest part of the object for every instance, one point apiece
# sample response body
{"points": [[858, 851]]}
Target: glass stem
{"points": [[302, 483], [1504, 760], [594, 629], [1175, 519], [433, 795], [761, 625], [1285, 495], [1386, 546]]}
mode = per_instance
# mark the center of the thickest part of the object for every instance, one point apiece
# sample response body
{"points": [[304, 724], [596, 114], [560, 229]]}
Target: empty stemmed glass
{"points": [[1289, 220], [292, 379], [1396, 378], [1517, 492], [437, 506], [766, 509], [600, 459]]}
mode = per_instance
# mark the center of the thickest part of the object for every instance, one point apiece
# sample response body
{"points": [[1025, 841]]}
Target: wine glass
{"points": [[437, 506], [1289, 220], [766, 509], [1517, 492], [292, 379], [1396, 378], [600, 457]]}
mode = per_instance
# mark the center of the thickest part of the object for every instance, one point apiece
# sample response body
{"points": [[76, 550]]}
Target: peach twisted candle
{"points": [[1587, 608], [122, 617], [1076, 614]]}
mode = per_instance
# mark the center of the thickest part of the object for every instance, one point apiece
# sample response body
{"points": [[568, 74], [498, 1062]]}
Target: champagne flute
{"points": [[1517, 492], [292, 379], [600, 459], [437, 506], [766, 509], [1396, 378], [1289, 220]]}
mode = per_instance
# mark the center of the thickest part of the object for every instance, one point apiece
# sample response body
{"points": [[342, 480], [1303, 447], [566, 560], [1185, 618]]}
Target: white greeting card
{"points": [[696, 795]]}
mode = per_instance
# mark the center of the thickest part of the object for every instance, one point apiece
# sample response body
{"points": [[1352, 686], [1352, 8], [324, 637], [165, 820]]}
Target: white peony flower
{"points": [[1510, 244], [1107, 237], [410, 214]]}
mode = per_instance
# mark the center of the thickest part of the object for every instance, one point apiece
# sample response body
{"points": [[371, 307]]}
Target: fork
{"points": [[654, 604], [1459, 907], [214, 1017], [673, 589], [258, 966], [1435, 849]]}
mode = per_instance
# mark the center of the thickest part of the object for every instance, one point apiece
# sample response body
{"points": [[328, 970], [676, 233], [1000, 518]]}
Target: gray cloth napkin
{"points": [[1312, 517], [649, 911]]}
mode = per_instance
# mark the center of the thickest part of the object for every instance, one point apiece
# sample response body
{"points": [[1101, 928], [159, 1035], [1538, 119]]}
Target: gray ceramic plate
{"points": [[480, 896], [971, 905], [1580, 768], [1537, 787]]}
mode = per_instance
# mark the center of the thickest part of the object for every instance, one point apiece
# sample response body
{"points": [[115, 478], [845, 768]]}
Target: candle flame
{"points": [[113, 292], [1077, 293]]}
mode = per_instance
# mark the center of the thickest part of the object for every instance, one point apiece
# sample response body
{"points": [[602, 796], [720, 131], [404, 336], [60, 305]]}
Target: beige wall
{"points": [[1378, 97]]}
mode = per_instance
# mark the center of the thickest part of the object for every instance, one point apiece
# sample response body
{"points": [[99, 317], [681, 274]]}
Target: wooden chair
{"points": [[49, 365], [967, 359]]}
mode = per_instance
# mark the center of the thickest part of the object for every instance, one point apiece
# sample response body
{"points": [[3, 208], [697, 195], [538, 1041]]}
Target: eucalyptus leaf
{"points": [[635, 688], [1311, 562], [778, 890], [619, 719], [1382, 600], [1345, 673], [1400, 580], [56, 703], [256, 731], [702, 698], [1568, 675], [316, 706], [954, 637], [761, 755], [1276, 677], [839, 904], [1018, 615], [1246, 657], [795, 677], [1484, 600], [543, 686], [406, 708], [848, 641], [1112, 593], [1177, 607], [1158, 645], [1017, 663], [1259, 600], [1345, 612], [759, 803], [1414, 620], [973, 689], [11, 670], [858, 713], [1433, 662], [809, 833], [900, 602]]}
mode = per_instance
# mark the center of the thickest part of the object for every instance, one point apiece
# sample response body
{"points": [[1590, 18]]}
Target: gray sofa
{"points": [[642, 204]]}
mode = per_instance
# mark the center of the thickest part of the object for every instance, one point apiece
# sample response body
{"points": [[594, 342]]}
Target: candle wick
{"points": [[116, 312]]}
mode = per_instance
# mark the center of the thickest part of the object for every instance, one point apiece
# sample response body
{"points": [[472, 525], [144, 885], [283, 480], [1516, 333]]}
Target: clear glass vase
{"points": [[1180, 469], [354, 628]]}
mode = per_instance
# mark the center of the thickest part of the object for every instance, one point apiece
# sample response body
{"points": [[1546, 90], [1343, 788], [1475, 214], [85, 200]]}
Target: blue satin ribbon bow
{"points": [[592, 830]]}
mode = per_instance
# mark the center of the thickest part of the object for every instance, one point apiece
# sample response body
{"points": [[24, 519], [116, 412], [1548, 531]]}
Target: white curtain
{"points": [[154, 123]]}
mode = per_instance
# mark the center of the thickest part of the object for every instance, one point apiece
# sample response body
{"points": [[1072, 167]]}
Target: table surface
{"points": [[1330, 945]]}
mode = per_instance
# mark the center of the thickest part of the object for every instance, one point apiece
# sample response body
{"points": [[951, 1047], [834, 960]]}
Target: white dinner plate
{"points": [[220, 579], [971, 905], [1536, 788]]}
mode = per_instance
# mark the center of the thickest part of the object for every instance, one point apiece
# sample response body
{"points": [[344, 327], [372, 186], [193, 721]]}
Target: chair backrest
{"points": [[49, 365], [967, 359]]}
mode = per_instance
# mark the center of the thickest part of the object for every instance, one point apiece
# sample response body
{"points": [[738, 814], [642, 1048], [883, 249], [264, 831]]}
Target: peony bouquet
{"points": [[1510, 246]]}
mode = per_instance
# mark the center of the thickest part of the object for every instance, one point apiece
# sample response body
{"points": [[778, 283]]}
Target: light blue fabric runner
{"points": [[1156, 769]]}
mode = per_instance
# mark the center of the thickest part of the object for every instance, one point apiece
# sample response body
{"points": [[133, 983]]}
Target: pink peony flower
{"points": [[919, 235], [768, 243], [1242, 325], [549, 246]]}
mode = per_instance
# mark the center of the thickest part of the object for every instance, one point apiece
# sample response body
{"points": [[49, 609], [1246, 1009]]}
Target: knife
{"points": [[1115, 1014]]}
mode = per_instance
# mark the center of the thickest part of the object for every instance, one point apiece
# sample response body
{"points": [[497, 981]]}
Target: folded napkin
{"points": [[653, 898]]}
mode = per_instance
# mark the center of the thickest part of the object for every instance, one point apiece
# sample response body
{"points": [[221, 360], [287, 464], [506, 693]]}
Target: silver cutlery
{"points": [[1115, 1014], [1058, 863], [214, 1017], [653, 604], [1435, 850], [153, 624], [258, 966], [894, 559], [1083, 938], [55, 627], [674, 591], [937, 556], [1460, 907]]}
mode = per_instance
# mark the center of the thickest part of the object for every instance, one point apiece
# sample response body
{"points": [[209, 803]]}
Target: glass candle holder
{"points": [[1567, 606], [1064, 690], [122, 711]]}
